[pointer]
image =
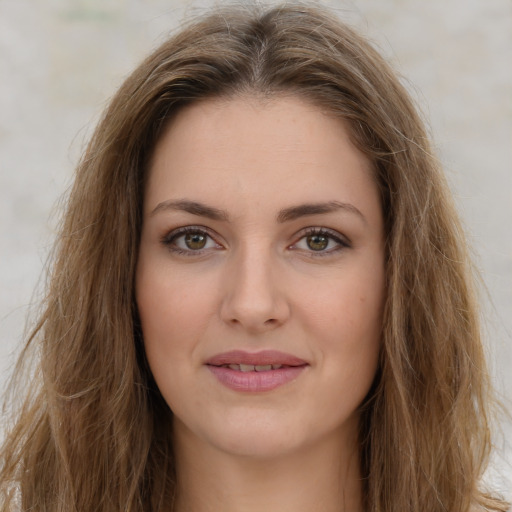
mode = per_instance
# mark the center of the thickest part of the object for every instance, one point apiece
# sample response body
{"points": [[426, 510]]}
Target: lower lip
{"points": [[255, 382]]}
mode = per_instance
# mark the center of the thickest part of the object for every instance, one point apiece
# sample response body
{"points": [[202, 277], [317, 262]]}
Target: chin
{"points": [[257, 445], [266, 442], [244, 433], [266, 434]]}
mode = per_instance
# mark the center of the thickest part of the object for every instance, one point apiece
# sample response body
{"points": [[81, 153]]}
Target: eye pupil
{"points": [[195, 241], [317, 242]]}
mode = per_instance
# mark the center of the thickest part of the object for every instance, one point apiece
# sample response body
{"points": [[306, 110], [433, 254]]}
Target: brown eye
{"points": [[195, 241], [317, 242], [191, 241]]}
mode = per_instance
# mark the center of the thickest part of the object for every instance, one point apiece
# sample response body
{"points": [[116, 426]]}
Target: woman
{"points": [[261, 297]]}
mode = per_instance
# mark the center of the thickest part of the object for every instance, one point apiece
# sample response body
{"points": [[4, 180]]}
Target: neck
{"points": [[322, 477]]}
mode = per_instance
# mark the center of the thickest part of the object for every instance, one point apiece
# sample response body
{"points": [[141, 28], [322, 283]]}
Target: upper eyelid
{"points": [[183, 230], [341, 241], [334, 234], [304, 232], [169, 239]]}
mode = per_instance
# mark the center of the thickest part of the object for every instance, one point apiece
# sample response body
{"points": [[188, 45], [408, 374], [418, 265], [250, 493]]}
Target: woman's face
{"points": [[260, 280]]}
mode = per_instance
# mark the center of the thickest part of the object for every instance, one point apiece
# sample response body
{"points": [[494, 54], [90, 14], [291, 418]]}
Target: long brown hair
{"points": [[93, 433]]}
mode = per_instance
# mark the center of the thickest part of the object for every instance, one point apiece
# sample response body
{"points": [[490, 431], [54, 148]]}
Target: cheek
{"points": [[348, 316], [159, 308], [171, 303], [175, 309], [168, 315], [351, 307]]}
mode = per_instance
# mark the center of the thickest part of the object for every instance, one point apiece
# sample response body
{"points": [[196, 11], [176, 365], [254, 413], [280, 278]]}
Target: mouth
{"points": [[264, 360], [255, 372], [253, 367]]}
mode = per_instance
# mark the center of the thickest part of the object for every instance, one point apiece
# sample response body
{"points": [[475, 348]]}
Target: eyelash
{"points": [[342, 242], [169, 240]]}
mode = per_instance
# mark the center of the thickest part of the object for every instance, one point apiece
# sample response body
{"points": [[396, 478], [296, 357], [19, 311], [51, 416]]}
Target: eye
{"points": [[193, 241], [318, 242], [189, 240], [321, 240]]}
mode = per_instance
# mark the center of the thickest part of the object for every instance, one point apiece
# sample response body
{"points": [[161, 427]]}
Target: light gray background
{"points": [[60, 61]]}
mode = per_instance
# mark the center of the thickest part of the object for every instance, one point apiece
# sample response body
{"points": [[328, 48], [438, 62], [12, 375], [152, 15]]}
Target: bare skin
{"points": [[262, 234], [316, 479]]}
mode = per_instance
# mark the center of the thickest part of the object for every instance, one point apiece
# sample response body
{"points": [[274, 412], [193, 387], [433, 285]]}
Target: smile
{"points": [[255, 372], [252, 367]]}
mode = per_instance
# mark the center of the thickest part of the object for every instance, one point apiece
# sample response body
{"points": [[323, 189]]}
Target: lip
{"points": [[255, 381], [262, 358]]}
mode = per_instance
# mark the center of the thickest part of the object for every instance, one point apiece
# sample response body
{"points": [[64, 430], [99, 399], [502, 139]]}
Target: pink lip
{"points": [[258, 358], [255, 381]]}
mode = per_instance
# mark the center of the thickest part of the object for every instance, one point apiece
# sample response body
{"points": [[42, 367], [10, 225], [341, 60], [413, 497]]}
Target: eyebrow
{"points": [[285, 215], [192, 207], [304, 210]]}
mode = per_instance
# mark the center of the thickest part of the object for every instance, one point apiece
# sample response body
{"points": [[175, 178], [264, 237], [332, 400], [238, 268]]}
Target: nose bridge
{"points": [[254, 296]]}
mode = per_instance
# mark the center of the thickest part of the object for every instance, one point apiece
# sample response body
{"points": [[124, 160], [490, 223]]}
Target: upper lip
{"points": [[265, 357]]}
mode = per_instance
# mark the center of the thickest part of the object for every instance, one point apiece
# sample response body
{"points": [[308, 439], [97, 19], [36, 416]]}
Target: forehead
{"points": [[223, 149]]}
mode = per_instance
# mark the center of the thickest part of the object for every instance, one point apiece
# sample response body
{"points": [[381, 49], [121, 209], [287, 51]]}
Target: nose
{"points": [[254, 296]]}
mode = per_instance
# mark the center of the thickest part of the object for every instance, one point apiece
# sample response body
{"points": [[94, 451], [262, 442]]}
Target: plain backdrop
{"points": [[61, 60]]}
